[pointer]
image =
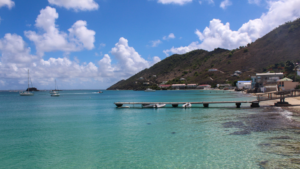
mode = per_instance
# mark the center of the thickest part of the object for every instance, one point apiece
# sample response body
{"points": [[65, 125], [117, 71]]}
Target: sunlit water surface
{"points": [[84, 129]]}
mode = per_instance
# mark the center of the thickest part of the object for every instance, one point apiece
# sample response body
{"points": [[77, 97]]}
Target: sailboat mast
{"points": [[28, 80]]}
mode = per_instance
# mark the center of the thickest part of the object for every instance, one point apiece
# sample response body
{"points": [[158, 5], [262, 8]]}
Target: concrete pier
{"points": [[205, 104]]}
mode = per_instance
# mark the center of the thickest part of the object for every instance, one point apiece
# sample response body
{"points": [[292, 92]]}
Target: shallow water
{"points": [[84, 129]]}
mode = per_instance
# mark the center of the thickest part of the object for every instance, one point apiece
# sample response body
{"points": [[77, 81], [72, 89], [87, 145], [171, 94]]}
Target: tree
{"points": [[289, 67]]}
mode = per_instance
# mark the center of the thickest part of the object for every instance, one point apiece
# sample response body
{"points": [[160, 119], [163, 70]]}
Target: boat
{"points": [[153, 105], [54, 93], [27, 92], [149, 90], [100, 92], [187, 105], [159, 105]]}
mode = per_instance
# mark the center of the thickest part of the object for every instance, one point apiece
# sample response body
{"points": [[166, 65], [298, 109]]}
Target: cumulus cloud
{"points": [[257, 2], [155, 43], [15, 60], [224, 4], [77, 5], [178, 2], [8, 3], [52, 39], [220, 35], [129, 61], [170, 36]]}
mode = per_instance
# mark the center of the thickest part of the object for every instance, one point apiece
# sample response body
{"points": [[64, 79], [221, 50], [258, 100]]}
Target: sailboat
{"points": [[27, 93], [54, 93]]}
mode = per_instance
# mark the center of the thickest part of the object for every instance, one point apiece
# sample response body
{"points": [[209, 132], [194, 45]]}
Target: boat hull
{"points": [[186, 105], [26, 94]]}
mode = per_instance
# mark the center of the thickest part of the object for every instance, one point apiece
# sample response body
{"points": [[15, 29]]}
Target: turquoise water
{"points": [[84, 129]]}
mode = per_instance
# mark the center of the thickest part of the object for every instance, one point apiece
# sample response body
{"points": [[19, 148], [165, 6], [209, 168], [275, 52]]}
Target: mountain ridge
{"points": [[279, 45]]}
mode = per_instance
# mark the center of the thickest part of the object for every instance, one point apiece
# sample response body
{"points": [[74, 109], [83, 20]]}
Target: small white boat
{"points": [[100, 92], [55, 95], [53, 92], [153, 105], [187, 105], [149, 90], [27, 93], [159, 105]]}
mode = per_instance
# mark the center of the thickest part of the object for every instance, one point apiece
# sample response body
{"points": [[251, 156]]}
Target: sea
{"points": [[84, 129]]}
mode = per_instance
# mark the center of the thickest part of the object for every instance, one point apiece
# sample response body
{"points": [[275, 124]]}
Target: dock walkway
{"points": [[254, 103]]}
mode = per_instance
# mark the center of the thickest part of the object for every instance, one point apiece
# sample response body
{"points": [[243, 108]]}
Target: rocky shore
{"points": [[285, 122]]}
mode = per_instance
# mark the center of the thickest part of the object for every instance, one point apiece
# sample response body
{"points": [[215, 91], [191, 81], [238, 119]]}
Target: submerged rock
{"points": [[173, 132], [232, 124], [280, 163], [244, 132], [281, 137]]}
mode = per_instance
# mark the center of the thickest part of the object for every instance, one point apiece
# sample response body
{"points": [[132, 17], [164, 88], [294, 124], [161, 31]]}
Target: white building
{"points": [[178, 86], [244, 85], [213, 70], [191, 86], [238, 72]]}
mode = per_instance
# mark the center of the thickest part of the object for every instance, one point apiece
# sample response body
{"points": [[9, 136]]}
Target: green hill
{"points": [[278, 46]]}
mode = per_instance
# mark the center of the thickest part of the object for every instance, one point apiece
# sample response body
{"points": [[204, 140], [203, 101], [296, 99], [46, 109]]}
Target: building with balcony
{"points": [[266, 82]]}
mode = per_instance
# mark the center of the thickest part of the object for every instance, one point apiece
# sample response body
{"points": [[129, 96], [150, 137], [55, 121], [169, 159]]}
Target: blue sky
{"points": [[91, 44]]}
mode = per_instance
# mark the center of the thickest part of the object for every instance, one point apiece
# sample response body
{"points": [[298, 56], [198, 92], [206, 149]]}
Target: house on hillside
{"points": [[244, 85], [266, 82], [164, 82], [182, 79], [286, 84], [141, 78], [204, 86], [178, 86], [213, 70], [163, 86], [154, 76], [237, 72], [146, 83]]}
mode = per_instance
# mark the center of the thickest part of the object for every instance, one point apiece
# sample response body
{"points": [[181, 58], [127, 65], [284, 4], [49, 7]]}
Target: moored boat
{"points": [[187, 105], [27, 93], [149, 90]]}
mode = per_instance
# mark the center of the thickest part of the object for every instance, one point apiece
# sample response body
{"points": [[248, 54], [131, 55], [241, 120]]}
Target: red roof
{"points": [[164, 85]]}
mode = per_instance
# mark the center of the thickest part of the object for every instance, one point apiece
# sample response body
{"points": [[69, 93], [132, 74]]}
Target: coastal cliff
{"points": [[277, 46]]}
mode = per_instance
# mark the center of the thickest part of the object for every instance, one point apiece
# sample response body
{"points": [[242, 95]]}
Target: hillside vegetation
{"points": [[278, 46]]}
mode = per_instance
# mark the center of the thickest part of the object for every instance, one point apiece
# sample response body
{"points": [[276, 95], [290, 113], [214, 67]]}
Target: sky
{"points": [[92, 44]]}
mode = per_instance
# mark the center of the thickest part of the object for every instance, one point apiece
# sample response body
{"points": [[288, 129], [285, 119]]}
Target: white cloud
{"points": [[155, 43], [224, 4], [257, 2], [15, 60], [83, 5], [8, 3], [170, 36], [54, 40], [178, 2], [129, 61], [156, 59], [220, 35], [102, 45]]}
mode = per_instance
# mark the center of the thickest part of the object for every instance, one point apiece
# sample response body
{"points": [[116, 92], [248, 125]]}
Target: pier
{"points": [[205, 104]]}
